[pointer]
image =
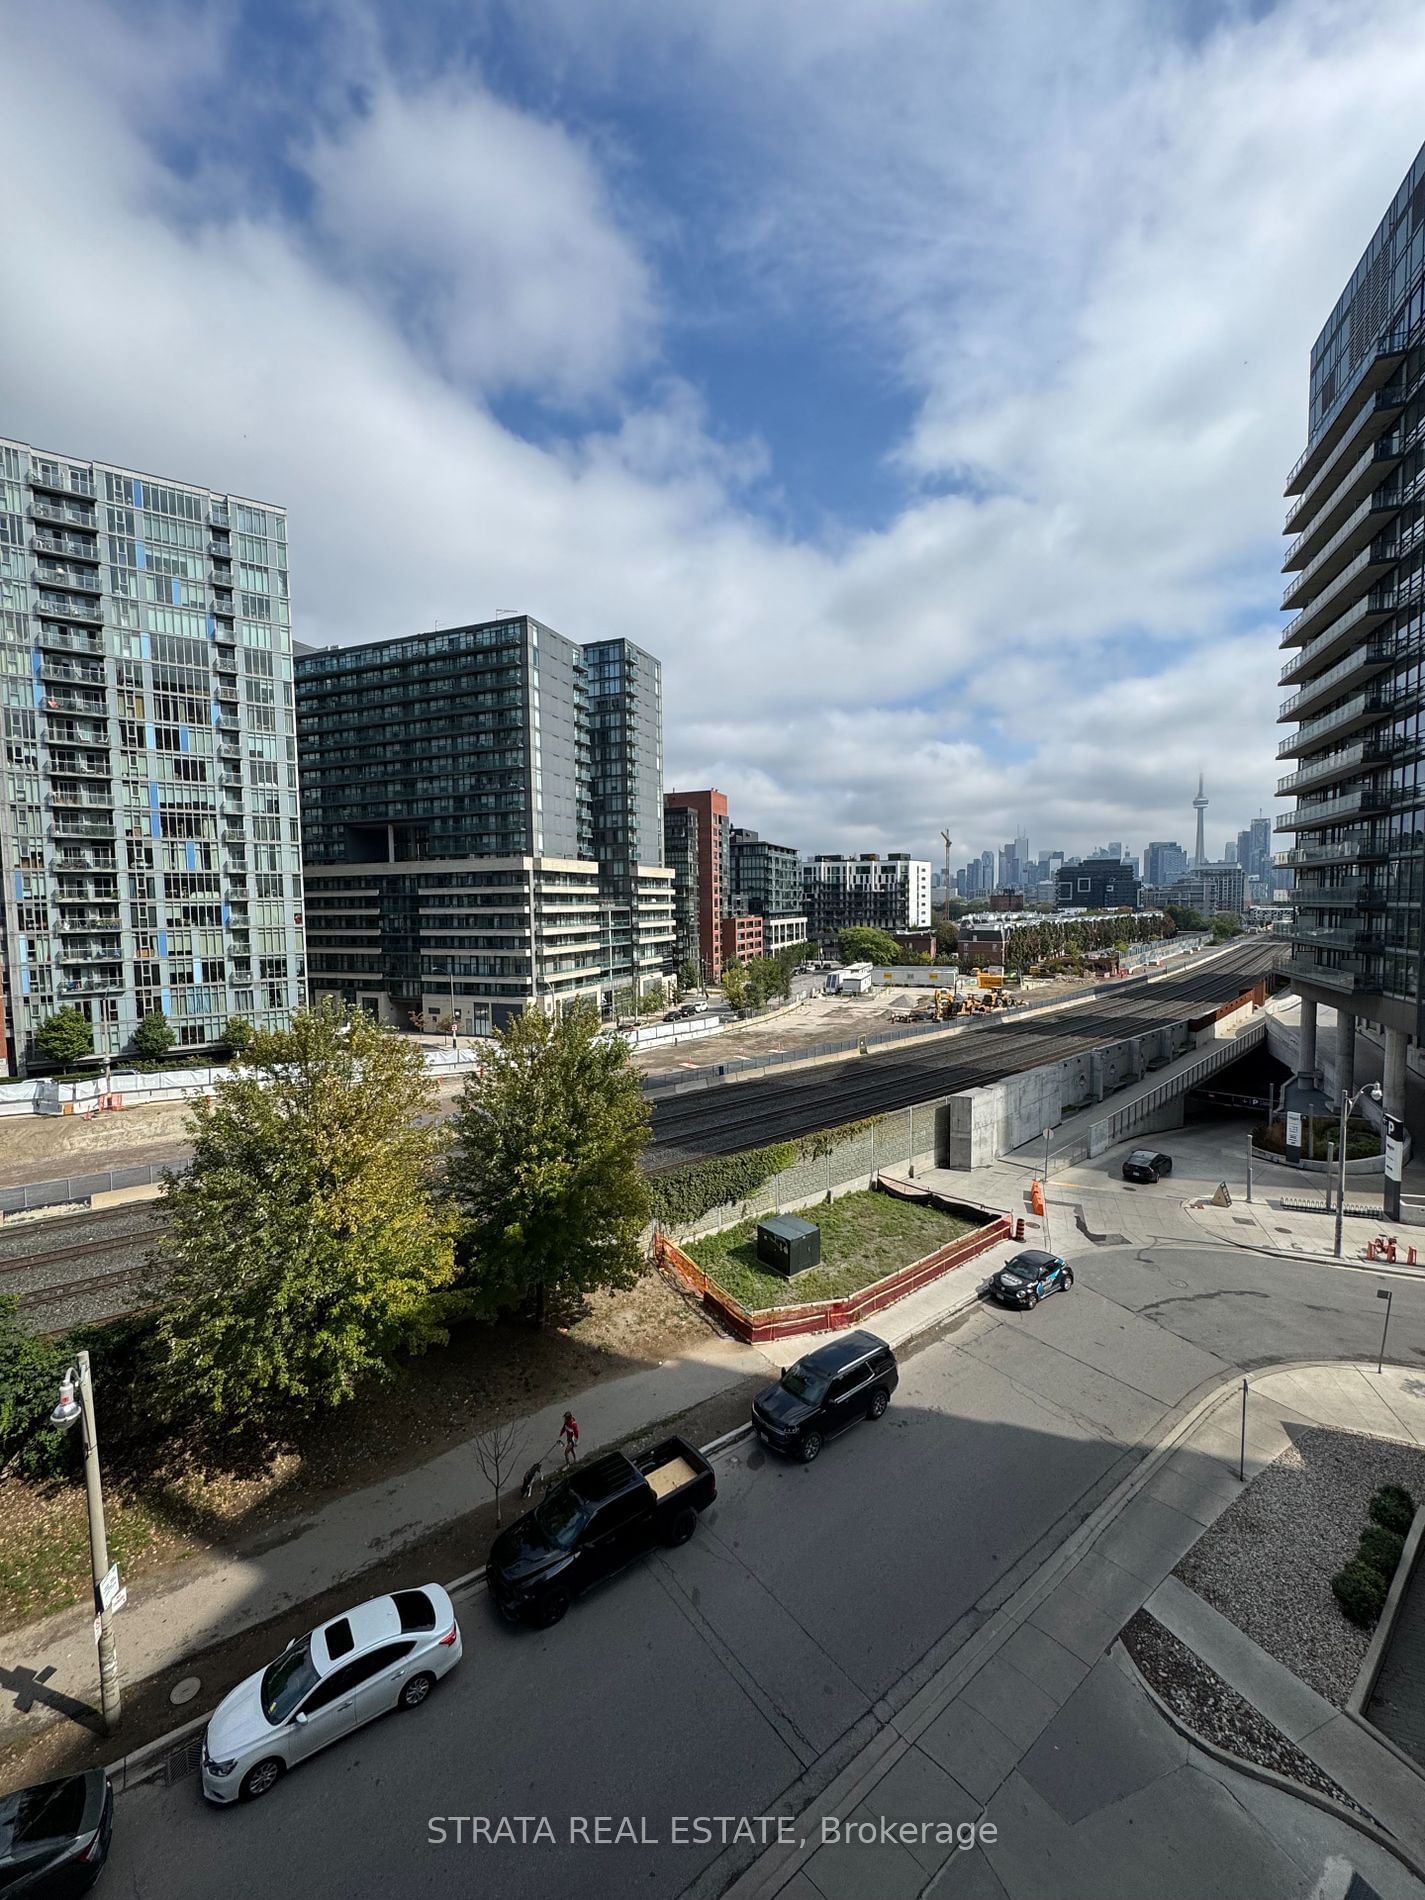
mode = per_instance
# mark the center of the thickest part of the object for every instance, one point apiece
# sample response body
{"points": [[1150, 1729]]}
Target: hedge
{"points": [[684, 1195], [1362, 1587]]}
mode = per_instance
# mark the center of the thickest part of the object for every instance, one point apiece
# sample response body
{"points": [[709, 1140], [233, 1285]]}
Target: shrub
{"points": [[30, 1370], [1381, 1549], [1360, 1591], [1393, 1508]]}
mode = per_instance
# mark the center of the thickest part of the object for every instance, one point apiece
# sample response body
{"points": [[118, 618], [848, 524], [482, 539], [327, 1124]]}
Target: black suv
{"points": [[1146, 1164], [833, 1387]]}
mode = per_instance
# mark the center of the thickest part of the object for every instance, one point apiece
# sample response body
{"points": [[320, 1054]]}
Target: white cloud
{"points": [[1103, 289], [489, 234]]}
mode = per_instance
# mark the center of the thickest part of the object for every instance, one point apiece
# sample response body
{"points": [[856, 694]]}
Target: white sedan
{"points": [[385, 1654]]}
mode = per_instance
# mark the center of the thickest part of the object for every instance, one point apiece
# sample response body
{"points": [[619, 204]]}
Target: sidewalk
{"points": [[211, 1598], [1036, 1727]]}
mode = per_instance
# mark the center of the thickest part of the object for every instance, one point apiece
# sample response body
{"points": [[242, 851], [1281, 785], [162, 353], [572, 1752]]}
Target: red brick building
{"points": [[742, 938], [697, 846]]}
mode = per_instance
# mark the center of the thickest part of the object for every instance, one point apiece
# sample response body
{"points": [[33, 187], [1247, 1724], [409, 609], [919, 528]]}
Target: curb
{"points": [[764, 1877], [1371, 1828]]}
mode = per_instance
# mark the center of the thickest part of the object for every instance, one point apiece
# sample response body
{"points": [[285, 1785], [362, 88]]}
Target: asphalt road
{"points": [[708, 1680]]}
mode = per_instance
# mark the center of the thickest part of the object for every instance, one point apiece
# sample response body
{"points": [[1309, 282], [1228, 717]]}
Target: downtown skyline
{"points": [[913, 522]]}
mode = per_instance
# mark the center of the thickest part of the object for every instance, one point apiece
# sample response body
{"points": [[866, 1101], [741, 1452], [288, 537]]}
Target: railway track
{"points": [[751, 1114], [38, 1262]]}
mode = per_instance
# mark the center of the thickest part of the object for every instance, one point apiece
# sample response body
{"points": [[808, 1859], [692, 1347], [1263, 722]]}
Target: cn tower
{"points": [[1199, 805]]}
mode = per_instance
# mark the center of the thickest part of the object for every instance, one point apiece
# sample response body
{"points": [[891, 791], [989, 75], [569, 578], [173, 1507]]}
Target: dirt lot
{"points": [[486, 1374]]}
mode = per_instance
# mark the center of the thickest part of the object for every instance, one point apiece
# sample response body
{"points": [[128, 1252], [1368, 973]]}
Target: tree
{"points": [[64, 1037], [687, 976], [544, 1166], [1185, 917], [864, 945], [154, 1036], [1225, 924], [735, 984], [238, 1033], [30, 1371], [306, 1246], [495, 1454], [947, 937]]}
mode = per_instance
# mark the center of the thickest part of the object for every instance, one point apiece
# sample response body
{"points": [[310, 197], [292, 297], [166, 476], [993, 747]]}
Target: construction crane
{"points": [[945, 888]]}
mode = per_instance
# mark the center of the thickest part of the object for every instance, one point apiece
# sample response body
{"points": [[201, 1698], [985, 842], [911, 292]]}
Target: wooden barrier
{"points": [[823, 1316]]}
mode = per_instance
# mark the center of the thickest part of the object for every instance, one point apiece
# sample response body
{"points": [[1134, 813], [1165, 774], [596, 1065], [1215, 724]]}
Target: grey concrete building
{"points": [[1355, 660], [767, 880], [463, 772], [1164, 862], [150, 845]]}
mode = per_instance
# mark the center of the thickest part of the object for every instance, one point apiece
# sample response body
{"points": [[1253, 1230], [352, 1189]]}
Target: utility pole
{"points": [[66, 1413]]}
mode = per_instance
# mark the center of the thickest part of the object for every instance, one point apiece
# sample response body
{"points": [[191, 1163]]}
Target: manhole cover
{"points": [[184, 1691]]}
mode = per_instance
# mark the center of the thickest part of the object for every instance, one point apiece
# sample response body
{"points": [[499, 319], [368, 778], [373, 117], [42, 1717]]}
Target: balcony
{"points": [[228, 695], [70, 607], [110, 952], [1343, 764], [1341, 720], [95, 985], [1369, 657], [1330, 811], [1365, 473], [1376, 370], [1342, 896], [1371, 421], [67, 822], [218, 514], [64, 546], [1336, 639], [1352, 975], [50, 574], [68, 796], [60, 640], [71, 514], [61, 480], [77, 922], [1360, 528], [222, 604]]}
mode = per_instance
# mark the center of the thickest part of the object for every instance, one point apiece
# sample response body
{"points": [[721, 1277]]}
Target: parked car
{"points": [[1030, 1277], [385, 1654], [1144, 1164], [593, 1525], [54, 1837], [835, 1386]]}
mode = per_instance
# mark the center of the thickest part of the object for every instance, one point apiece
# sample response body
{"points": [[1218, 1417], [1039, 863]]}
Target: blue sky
{"points": [[917, 381]]}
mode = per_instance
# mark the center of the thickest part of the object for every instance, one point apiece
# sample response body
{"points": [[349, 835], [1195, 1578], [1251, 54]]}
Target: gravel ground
{"points": [[1267, 1563], [1214, 1710]]}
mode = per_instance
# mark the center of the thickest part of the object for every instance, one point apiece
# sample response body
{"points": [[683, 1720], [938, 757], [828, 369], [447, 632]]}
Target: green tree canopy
{"points": [[64, 1037], [735, 984], [154, 1036], [306, 1245], [864, 945], [30, 1371], [1185, 917], [238, 1034], [1225, 924], [544, 1166], [687, 976]]}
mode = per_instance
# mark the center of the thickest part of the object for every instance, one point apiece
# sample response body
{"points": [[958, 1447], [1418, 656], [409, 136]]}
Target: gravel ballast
{"points": [[1267, 1563], [1213, 1709]]}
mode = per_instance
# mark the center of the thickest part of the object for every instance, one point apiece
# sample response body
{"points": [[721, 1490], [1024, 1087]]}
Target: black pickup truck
{"points": [[598, 1520]]}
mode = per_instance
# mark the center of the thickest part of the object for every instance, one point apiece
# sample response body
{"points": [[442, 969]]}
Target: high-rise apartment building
{"points": [[150, 849], [698, 845], [766, 877], [1164, 863], [457, 797], [840, 893], [1354, 649]]}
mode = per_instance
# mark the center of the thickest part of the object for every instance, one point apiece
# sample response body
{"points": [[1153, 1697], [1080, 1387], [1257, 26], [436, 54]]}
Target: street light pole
{"points": [[64, 1415], [1348, 1102], [1383, 1293]]}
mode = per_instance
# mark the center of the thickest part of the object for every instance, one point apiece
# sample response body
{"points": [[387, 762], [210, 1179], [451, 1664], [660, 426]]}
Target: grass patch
{"points": [[1362, 1141], [863, 1238]]}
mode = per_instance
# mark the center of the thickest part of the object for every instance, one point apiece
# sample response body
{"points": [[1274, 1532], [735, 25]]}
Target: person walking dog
{"points": [[569, 1437]]}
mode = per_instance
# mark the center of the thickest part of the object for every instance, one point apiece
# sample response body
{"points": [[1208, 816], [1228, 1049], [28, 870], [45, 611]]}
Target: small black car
{"points": [[833, 1387], [54, 1837], [1144, 1164], [1030, 1277]]}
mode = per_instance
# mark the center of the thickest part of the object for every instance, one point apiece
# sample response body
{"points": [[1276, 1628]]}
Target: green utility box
{"points": [[786, 1244]]}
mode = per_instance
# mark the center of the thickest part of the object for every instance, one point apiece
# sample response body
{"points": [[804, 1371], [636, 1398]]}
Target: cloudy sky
{"points": [[917, 379]]}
